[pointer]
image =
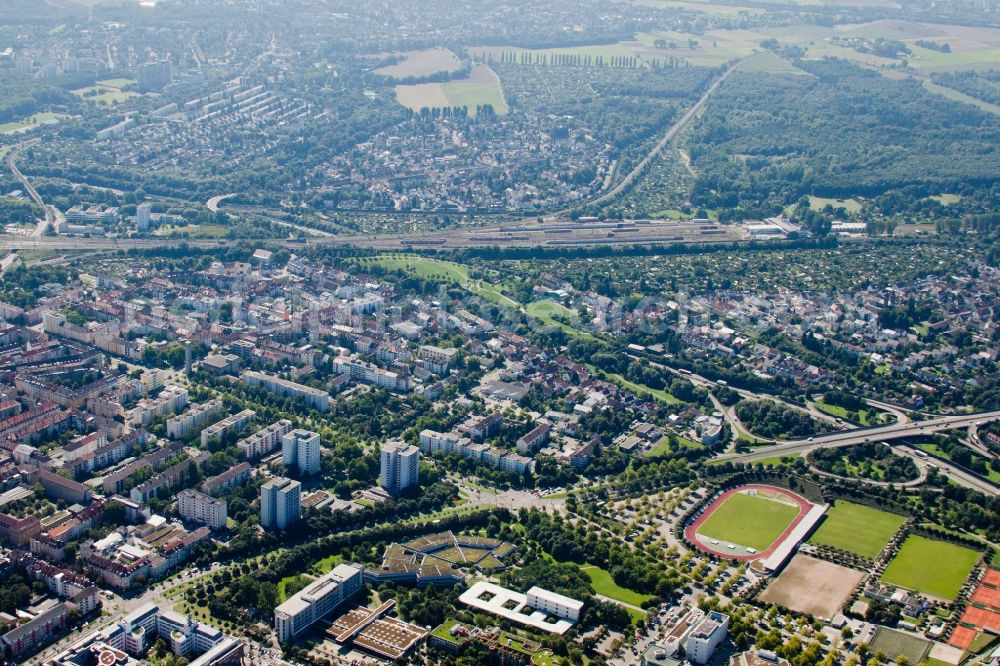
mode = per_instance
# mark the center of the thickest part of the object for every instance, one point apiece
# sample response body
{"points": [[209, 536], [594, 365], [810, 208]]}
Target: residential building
{"points": [[264, 440], [201, 508], [171, 399], [182, 425], [232, 423], [143, 217], [231, 477], [315, 398], [400, 467], [280, 503], [300, 449], [154, 76]]}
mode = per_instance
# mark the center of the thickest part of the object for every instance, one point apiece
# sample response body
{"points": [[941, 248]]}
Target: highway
{"points": [[882, 434], [51, 214]]}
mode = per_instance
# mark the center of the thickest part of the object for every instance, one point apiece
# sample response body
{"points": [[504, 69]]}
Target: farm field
{"points": [[481, 87], [605, 585], [850, 205], [749, 521], [936, 568], [769, 63], [894, 643], [422, 63], [857, 529], [813, 586]]}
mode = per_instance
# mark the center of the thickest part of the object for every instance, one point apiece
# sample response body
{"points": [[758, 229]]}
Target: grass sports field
{"points": [[936, 568], [894, 643], [750, 521], [857, 529]]}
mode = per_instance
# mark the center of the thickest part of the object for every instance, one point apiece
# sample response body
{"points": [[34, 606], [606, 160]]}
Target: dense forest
{"points": [[837, 130], [981, 85]]}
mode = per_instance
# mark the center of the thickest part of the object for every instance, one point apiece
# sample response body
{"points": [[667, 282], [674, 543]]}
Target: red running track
{"points": [[691, 531]]}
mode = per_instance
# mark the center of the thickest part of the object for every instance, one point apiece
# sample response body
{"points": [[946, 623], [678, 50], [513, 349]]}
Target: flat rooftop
{"points": [[511, 605]]}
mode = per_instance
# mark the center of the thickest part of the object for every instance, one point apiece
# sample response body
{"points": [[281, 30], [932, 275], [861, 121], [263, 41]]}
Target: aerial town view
{"points": [[500, 332]]}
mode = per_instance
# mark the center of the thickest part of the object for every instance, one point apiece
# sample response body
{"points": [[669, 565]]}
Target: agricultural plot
{"points": [[812, 586], [422, 63], [857, 529], [748, 520], [935, 568], [480, 88]]}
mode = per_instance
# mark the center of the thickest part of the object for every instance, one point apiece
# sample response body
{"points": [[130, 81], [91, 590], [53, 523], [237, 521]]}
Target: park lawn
{"points": [[10, 128], [638, 389], [544, 310], [857, 529], [327, 564], [663, 447], [776, 460], [449, 271], [749, 521], [605, 585], [289, 585], [423, 267], [936, 568]]}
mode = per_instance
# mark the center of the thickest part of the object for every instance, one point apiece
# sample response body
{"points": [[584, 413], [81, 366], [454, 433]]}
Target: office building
{"points": [[300, 449], [701, 642], [200, 508], [555, 604], [400, 467], [316, 601], [280, 503]]}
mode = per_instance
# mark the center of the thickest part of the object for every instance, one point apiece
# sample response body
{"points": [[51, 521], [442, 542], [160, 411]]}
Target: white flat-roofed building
{"points": [[182, 425], [300, 448], [233, 422], [280, 503], [706, 637], [317, 600], [201, 508], [264, 440], [510, 605], [555, 604], [170, 400], [315, 398], [400, 466]]}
